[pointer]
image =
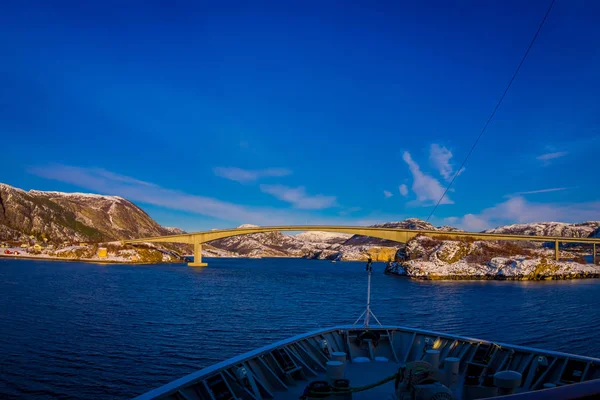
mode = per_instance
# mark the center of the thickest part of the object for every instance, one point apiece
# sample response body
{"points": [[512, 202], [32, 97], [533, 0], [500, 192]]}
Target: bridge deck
{"points": [[393, 234]]}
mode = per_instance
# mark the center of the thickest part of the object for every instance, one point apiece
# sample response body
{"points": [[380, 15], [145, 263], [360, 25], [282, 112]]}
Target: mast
{"points": [[368, 313]]}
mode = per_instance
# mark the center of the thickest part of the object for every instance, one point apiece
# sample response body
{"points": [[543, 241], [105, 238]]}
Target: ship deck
{"points": [[284, 369], [358, 374]]}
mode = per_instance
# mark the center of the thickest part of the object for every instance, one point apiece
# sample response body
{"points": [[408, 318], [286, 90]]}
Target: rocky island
{"points": [[433, 259]]}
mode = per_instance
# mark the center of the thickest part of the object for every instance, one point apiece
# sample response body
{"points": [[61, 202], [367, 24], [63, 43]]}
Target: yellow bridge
{"points": [[394, 234]]}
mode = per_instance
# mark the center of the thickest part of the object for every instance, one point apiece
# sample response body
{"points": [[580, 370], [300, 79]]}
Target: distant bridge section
{"points": [[393, 234]]}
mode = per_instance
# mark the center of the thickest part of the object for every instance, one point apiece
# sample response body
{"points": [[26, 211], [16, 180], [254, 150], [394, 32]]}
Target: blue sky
{"points": [[305, 113]]}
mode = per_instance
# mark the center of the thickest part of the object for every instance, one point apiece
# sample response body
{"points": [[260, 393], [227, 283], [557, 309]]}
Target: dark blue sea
{"points": [[83, 331]]}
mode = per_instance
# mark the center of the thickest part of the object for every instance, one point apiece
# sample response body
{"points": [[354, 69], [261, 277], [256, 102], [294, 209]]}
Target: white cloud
{"points": [[403, 190], [551, 156], [440, 158], [472, 222], [298, 197], [106, 182], [519, 210], [451, 220], [387, 194], [249, 175], [559, 189], [427, 188]]}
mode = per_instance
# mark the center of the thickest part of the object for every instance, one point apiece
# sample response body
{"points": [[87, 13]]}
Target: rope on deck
{"points": [[413, 371]]}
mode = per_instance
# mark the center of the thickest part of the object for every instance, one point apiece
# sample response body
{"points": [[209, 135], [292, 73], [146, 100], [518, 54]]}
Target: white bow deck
{"points": [[282, 370]]}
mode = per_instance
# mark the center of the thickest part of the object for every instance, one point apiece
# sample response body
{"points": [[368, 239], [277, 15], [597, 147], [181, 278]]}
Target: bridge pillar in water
{"points": [[197, 256]]}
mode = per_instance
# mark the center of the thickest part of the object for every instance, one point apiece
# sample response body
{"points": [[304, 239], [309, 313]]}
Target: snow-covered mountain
{"points": [[268, 244], [59, 217], [173, 230], [584, 229]]}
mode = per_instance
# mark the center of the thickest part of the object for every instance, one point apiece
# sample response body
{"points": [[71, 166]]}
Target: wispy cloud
{"points": [[105, 182], [387, 194], [249, 175], [298, 197], [427, 188], [440, 158], [121, 178], [519, 210], [403, 190], [551, 156], [558, 189]]}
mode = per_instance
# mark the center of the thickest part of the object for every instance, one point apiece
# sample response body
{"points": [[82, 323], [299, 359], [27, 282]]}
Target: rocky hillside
{"points": [[584, 229], [447, 259], [59, 217], [269, 244], [277, 244], [410, 223]]}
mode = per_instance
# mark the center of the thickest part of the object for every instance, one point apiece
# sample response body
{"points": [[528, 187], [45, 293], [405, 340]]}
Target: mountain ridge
{"points": [[58, 216]]}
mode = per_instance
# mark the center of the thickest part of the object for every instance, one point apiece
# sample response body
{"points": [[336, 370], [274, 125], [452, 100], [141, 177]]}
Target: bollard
{"points": [[339, 356], [507, 381], [433, 358], [451, 370], [335, 370]]}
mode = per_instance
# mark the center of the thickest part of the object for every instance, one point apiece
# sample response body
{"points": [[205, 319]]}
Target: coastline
{"points": [[85, 260], [424, 277], [561, 277]]}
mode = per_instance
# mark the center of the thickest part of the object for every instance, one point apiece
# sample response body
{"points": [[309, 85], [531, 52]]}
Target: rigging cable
{"points": [[494, 111]]}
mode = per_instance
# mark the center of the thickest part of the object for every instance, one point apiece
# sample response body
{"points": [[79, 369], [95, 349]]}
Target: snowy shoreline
{"points": [[114, 254], [432, 259], [499, 277], [52, 258], [418, 270]]}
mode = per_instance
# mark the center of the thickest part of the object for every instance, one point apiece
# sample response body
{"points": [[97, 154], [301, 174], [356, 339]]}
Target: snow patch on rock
{"points": [[322, 237]]}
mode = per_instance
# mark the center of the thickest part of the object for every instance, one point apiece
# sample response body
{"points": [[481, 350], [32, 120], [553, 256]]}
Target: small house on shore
{"points": [[102, 252]]}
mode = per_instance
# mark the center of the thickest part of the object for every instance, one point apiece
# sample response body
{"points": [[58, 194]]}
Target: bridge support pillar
{"points": [[594, 259], [556, 250], [197, 256]]}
